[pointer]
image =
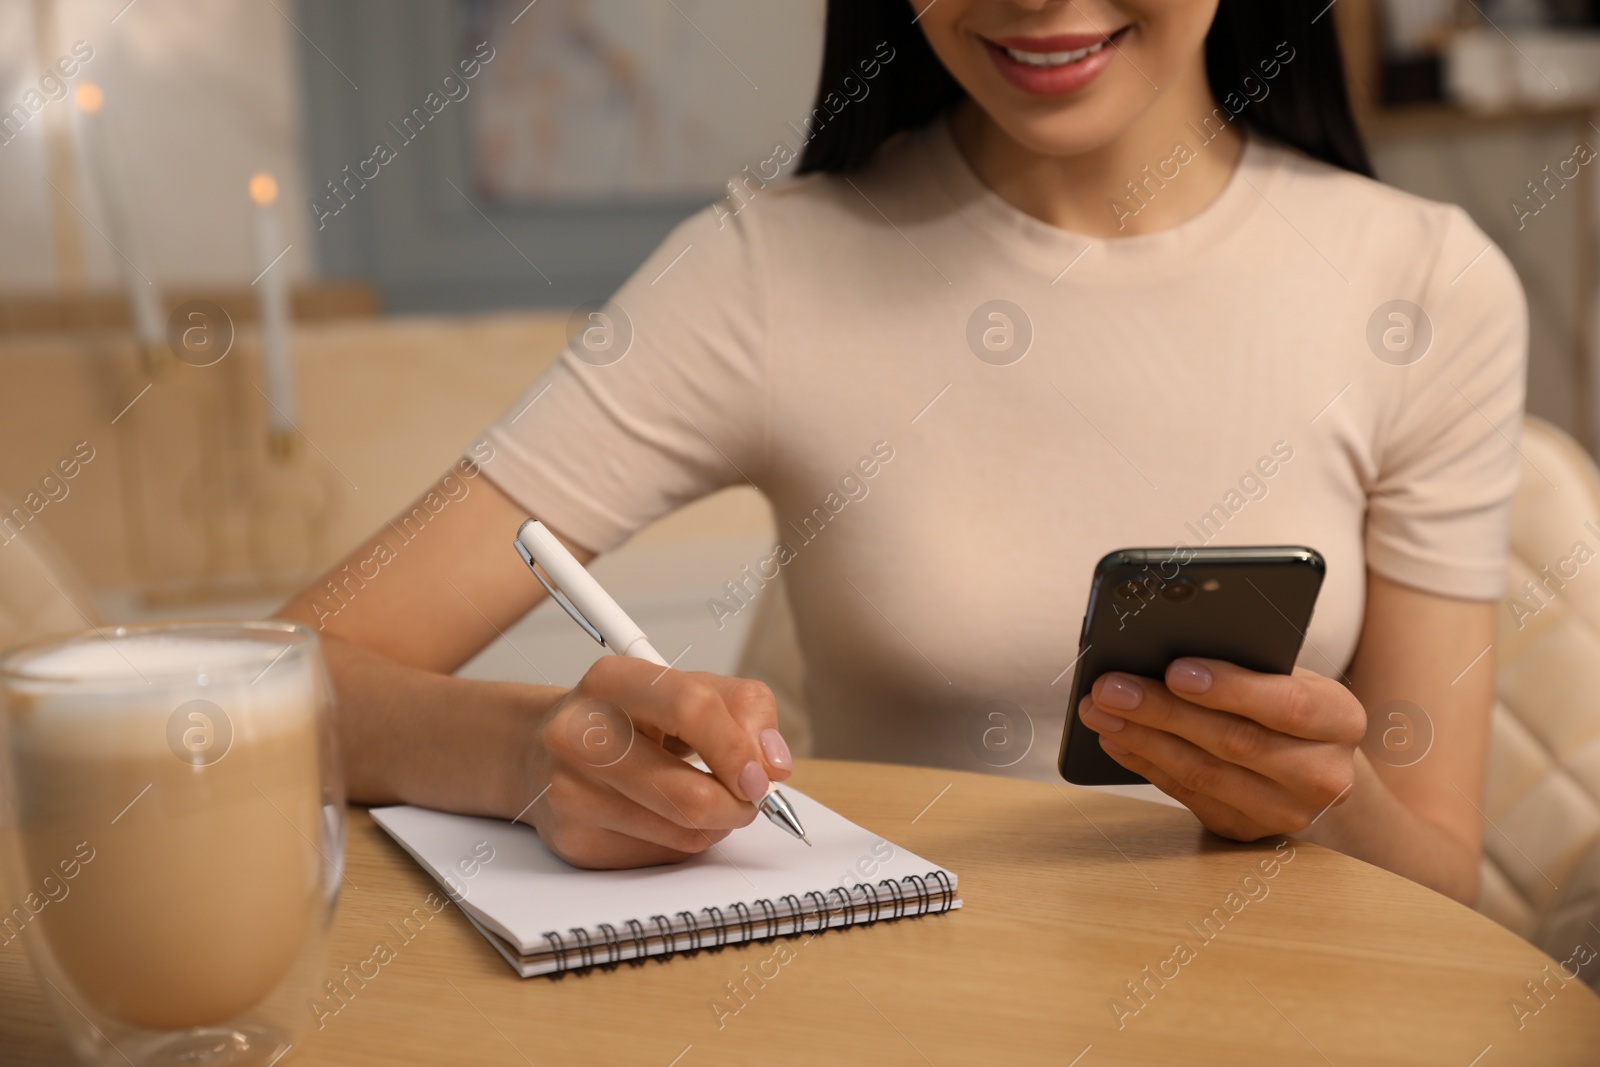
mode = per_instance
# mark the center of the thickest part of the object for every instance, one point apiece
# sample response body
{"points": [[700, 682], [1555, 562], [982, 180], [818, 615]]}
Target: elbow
{"points": [[1461, 875], [1470, 882]]}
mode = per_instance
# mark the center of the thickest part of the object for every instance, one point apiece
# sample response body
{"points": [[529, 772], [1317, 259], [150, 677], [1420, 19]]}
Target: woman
{"points": [[1067, 277]]}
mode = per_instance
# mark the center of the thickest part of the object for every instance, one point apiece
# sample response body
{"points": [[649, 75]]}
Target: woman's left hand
{"points": [[1250, 754]]}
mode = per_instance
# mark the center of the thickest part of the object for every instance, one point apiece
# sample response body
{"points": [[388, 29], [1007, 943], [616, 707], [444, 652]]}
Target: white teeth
{"points": [[1054, 59]]}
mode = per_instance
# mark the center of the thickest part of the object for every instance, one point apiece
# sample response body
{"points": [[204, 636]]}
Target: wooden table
{"points": [[1068, 895]]}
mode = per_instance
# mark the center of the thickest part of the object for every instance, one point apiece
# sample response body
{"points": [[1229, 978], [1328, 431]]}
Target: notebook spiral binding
{"points": [[909, 897]]}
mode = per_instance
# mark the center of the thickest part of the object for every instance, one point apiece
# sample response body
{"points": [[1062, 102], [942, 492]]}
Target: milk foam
{"points": [[126, 658], [114, 696]]}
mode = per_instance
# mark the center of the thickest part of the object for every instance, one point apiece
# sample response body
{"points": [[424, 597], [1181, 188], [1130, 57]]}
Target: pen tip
{"points": [[806, 839]]}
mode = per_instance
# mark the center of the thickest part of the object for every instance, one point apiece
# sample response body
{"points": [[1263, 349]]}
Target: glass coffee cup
{"points": [[172, 835]]}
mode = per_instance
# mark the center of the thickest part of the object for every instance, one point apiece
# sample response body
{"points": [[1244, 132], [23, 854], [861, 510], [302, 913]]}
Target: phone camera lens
{"points": [[1178, 590], [1128, 592]]}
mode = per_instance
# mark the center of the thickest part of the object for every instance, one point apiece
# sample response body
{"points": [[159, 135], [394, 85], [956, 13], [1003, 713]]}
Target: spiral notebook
{"points": [[545, 916]]}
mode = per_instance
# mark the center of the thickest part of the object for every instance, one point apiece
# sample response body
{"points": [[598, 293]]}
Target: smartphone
{"points": [[1149, 606]]}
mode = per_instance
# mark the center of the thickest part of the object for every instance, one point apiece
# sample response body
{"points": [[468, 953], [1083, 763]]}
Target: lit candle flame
{"points": [[89, 97], [263, 188]]}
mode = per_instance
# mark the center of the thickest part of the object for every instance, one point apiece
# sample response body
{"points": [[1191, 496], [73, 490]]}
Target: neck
{"points": [[1189, 161]]}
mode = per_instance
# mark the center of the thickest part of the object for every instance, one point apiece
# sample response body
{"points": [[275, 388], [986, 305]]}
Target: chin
{"points": [[1059, 131]]}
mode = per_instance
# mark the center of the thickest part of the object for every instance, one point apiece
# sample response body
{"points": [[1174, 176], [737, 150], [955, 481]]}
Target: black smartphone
{"points": [[1149, 606]]}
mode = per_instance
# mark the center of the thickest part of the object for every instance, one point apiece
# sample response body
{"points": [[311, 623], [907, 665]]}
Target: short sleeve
{"points": [[659, 400], [1438, 515]]}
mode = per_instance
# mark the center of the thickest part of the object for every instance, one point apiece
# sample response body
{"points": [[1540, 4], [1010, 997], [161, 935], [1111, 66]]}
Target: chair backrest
{"points": [[1541, 866], [40, 592]]}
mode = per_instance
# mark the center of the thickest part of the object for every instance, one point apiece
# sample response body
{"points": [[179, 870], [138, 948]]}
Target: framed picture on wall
{"points": [[618, 99], [586, 131]]}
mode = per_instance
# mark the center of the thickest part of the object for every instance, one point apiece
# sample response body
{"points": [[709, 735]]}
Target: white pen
{"points": [[571, 585]]}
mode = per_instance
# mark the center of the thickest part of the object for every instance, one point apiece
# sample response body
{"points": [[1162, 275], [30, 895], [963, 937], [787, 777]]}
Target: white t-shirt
{"points": [[1216, 383]]}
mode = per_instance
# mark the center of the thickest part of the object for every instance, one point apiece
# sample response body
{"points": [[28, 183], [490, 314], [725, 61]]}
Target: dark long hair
{"points": [[1306, 105]]}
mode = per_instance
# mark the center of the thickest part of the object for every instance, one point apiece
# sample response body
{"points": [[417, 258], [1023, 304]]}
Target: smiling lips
{"points": [[1050, 66]]}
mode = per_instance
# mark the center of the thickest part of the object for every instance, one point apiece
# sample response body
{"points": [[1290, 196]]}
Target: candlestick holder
{"points": [[282, 445], [158, 360], [218, 506]]}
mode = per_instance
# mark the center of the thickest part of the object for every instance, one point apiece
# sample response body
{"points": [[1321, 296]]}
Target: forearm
{"points": [[1374, 825], [417, 737]]}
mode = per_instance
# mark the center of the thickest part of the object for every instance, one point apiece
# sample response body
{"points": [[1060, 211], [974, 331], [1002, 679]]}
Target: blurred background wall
{"points": [[199, 94], [532, 155]]}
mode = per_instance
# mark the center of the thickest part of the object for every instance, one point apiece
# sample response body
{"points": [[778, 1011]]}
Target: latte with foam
{"points": [[190, 766]]}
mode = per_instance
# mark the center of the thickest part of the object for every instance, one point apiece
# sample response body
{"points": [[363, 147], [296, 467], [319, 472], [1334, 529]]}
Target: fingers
{"points": [[1281, 784], [601, 806], [753, 706], [595, 741], [1225, 735], [1191, 773], [1216, 816], [1302, 704], [599, 848], [721, 719], [620, 793], [654, 779], [646, 807]]}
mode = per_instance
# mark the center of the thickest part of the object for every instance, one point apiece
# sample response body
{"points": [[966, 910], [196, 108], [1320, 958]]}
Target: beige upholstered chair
{"points": [[1541, 868], [40, 592]]}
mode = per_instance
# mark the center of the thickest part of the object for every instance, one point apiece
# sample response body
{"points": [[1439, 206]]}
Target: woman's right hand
{"points": [[595, 769], [605, 763]]}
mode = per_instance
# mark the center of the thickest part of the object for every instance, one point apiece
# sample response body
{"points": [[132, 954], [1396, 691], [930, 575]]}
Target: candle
{"points": [[272, 286], [144, 299]]}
